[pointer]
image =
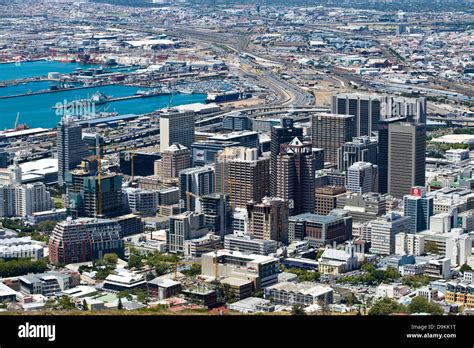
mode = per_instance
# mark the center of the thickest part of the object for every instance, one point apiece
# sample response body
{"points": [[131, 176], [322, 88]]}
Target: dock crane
{"points": [[16, 121]]}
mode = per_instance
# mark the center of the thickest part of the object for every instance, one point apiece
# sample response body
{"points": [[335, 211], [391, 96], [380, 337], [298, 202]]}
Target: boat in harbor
{"points": [[98, 98], [222, 97], [151, 92]]}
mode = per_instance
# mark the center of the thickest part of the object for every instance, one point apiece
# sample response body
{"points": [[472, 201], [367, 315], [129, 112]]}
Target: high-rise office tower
{"points": [[197, 181], [295, 176], [185, 226], [268, 219], [217, 213], [94, 142], [176, 127], [382, 157], [325, 198], [173, 160], [71, 148], [384, 230], [3, 159], [419, 208], [406, 157], [362, 177], [413, 109], [370, 109], [281, 134], [87, 198], [363, 208], [360, 149], [365, 108], [330, 132], [242, 174], [319, 230]]}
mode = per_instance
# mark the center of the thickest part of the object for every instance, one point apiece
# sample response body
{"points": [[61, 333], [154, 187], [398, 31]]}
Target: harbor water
{"points": [[36, 110], [38, 68]]}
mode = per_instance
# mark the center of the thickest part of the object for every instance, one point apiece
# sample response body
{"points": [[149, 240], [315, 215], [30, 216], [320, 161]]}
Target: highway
{"points": [[287, 93]]}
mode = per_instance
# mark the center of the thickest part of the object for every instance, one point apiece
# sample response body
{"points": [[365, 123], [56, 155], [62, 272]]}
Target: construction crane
{"points": [[16, 121], [132, 165], [170, 104], [99, 182]]}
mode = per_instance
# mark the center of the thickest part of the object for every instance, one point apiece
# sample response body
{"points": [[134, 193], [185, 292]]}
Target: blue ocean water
{"points": [[12, 71], [36, 110]]}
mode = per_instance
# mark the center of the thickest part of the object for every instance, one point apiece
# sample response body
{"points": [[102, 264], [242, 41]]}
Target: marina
{"points": [[36, 110]]}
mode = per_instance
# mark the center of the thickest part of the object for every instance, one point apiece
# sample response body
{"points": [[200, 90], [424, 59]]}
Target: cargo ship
{"points": [[151, 92], [97, 98], [227, 97]]}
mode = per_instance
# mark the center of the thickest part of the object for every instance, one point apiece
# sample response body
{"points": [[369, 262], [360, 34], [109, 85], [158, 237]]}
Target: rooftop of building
{"points": [[233, 135], [304, 288], [80, 291], [310, 217], [6, 290], [232, 281], [164, 282], [251, 302], [248, 257], [35, 278], [124, 277]]}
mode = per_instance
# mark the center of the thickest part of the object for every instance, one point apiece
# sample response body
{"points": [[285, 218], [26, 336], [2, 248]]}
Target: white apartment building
{"points": [[409, 244], [24, 200]]}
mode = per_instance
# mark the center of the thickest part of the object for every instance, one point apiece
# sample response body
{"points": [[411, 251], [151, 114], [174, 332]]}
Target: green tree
{"points": [[465, 268], [46, 226], [392, 273], [12, 268], [141, 296], [319, 254], [120, 305], [85, 307], [103, 272], [195, 270], [161, 269], [297, 310], [65, 302], [415, 281], [420, 304], [368, 267], [50, 303], [386, 306], [110, 259], [304, 275], [124, 294], [135, 261], [228, 293], [352, 299], [431, 247]]}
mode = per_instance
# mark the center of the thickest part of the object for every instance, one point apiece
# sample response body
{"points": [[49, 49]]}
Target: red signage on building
{"points": [[416, 191]]}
